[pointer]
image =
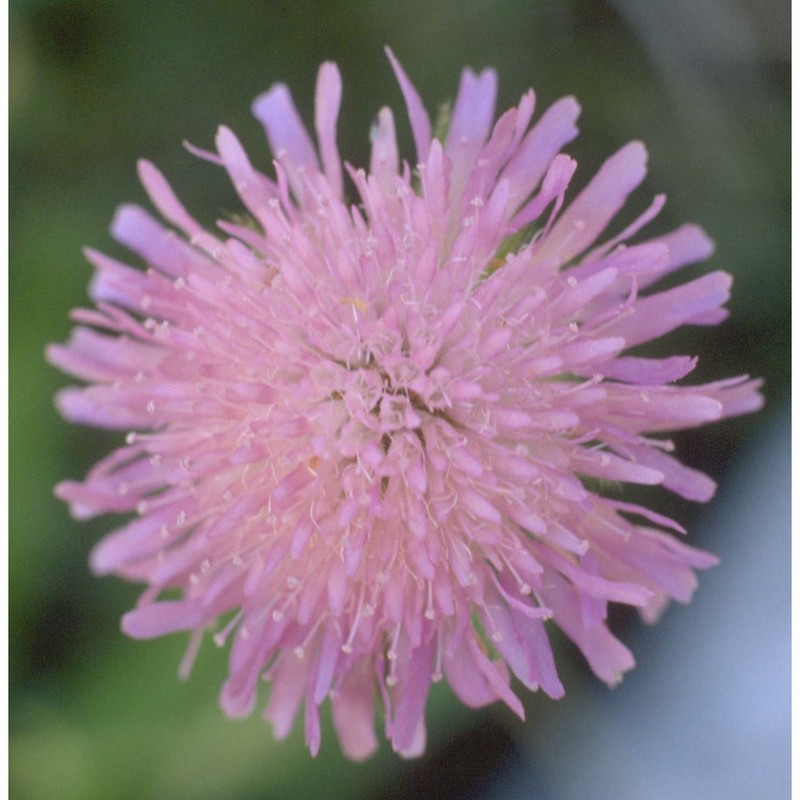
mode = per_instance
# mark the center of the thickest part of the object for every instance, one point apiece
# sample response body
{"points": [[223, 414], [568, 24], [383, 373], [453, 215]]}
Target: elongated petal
{"points": [[420, 121], [157, 619], [285, 130], [528, 166], [471, 122], [659, 314], [590, 212], [328, 100], [384, 161], [353, 714]]}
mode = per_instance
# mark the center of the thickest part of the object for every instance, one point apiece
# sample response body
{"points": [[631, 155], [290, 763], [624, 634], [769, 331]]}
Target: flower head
{"points": [[363, 435]]}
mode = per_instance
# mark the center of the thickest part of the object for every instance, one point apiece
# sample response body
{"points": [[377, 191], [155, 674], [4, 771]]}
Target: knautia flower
{"points": [[365, 426]]}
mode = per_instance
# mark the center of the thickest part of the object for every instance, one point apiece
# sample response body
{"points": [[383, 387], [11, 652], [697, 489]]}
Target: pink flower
{"points": [[364, 434]]}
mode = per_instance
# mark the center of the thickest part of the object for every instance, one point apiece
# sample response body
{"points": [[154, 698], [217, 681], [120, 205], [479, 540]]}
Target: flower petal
{"points": [[590, 212], [420, 121], [328, 100]]}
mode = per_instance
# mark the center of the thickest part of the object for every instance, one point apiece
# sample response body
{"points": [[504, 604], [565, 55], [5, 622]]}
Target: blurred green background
{"points": [[96, 84]]}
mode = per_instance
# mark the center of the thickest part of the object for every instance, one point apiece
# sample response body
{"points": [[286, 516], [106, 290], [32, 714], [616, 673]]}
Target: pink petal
{"points": [[253, 188], [420, 122], [327, 659], [685, 481], [158, 619], [286, 133], [91, 356], [164, 198], [653, 210], [471, 122], [328, 100], [555, 128], [661, 313], [661, 561], [634, 369], [590, 212], [465, 677], [737, 395], [412, 693], [613, 468], [384, 160], [523, 642], [554, 185], [353, 714], [686, 245], [288, 687], [139, 231], [607, 656]]}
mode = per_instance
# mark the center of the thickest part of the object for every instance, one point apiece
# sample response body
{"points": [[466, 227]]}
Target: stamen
{"points": [[534, 612], [495, 635], [190, 655], [437, 669], [347, 647], [300, 650], [221, 636], [524, 587], [429, 611], [391, 653]]}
